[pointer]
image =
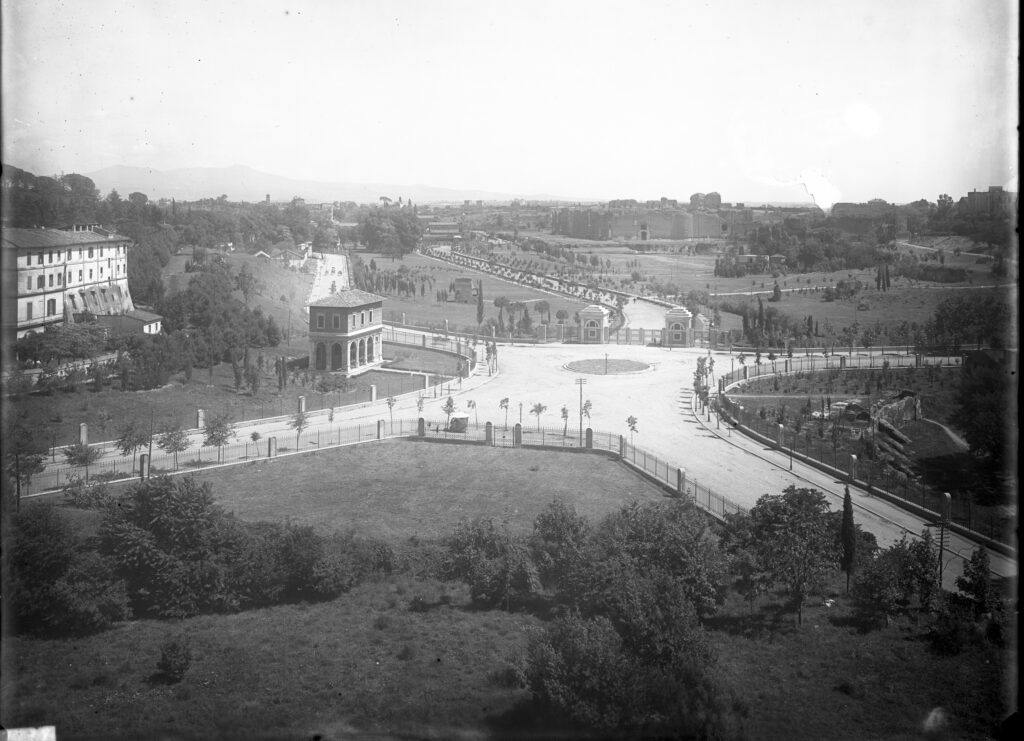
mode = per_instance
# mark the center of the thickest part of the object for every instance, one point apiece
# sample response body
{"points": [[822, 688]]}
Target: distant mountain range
{"points": [[240, 183]]}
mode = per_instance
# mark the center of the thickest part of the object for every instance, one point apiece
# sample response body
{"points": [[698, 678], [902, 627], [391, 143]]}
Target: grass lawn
{"points": [[106, 412], [425, 311], [834, 678], [397, 489], [414, 658]]}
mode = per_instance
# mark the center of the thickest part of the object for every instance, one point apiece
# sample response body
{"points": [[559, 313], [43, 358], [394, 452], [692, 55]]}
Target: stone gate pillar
{"points": [[421, 427], [83, 433], [271, 447], [517, 435], [380, 429], [590, 439], [853, 467], [681, 482], [489, 434], [302, 404], [144, 466], [622, 446]]}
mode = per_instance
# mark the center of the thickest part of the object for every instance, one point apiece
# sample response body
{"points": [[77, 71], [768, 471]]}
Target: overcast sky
{"points": [[898, 99]]}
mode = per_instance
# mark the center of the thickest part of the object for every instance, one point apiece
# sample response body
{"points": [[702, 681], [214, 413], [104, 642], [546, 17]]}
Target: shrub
{"points": [[94, 495], [58, 587], [175, 659]]}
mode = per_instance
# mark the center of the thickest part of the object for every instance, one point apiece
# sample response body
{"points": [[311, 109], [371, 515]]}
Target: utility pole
{"points": [[580, 382]]}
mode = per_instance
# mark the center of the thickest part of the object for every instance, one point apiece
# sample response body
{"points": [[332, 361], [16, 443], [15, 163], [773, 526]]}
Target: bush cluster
{"points": [[166, 550]]}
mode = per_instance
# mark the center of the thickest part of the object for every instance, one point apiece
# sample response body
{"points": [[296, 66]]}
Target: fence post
{"points": [[380, 429], [271, 447], [853, 467], [622, 447], [144, 466], [421, 427], [489, 434], [83, 433], [590, 439], [302, 404], [680, 481]]}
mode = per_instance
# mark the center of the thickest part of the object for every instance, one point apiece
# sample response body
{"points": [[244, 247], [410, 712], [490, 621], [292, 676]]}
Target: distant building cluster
{"points": [[993, 202], [706, 217]]}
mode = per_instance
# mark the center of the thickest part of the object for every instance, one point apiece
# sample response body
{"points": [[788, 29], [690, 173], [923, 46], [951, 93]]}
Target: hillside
{"points": [[241, 183]]}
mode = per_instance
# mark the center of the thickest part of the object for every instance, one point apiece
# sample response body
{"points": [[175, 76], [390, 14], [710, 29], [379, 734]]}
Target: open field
{"points": [[107, 411], [397, 489], [404, 657], [425, 311]]}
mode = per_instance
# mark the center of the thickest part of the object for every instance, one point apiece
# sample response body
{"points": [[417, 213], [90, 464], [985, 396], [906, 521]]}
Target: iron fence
{"points": [[324, 436]]}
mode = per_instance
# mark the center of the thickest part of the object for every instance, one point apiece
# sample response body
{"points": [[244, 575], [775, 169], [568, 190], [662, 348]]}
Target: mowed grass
{"points": [[414, 658], [426, 311], [397, 489]]}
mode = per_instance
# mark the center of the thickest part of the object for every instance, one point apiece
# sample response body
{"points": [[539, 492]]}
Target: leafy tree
{"points": [[559, 541], [848, 539], [133, 437], [299, 422], [81, 455], [795, 542], [218, 432], [977, 585], [24, 451], [448, 408], [56, 586], [587, 408], [631, 422], [470, 404], [245, 281], [419, 404], [538, 409], [503, 404], [495, 563], [391, 401], [565, 419], [173, 439], [255, 437], [982, 399]]}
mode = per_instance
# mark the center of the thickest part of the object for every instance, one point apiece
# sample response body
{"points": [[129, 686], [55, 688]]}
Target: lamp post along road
{"points": [[580, 382]]}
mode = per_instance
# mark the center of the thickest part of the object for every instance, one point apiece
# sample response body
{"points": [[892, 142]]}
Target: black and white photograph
{"points": [[390, 370]]}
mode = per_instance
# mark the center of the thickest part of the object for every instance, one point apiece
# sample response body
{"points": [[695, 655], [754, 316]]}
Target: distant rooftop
{"points": [[348, 299], [35, 238]]}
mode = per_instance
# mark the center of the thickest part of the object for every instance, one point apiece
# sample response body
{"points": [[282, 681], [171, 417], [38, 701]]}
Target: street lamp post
{"points": [[580, 382]]}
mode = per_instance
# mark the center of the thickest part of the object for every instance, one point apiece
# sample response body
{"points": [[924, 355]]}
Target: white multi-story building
{"points": [[62, 272]]}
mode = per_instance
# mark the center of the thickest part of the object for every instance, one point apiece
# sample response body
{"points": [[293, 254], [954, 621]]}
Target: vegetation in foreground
{"points": [[646, 622]]}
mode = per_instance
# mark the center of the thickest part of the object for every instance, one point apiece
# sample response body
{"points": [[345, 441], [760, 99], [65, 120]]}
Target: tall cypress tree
{"points": [[848, 538], [479, 302]]}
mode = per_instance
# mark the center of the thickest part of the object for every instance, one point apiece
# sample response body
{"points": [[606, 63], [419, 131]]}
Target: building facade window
{"points": [[28, 309], [51, 307], [60, 279], [319, 321], [79, 276], [29, 286], [39, 282], [51, 280], [371, 316], [39, 259], [336, 321], [90, 273], [90, 252], [49, 256]]}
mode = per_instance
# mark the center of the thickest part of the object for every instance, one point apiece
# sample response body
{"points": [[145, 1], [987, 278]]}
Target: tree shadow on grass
{"points": [[769, 619], [862, 624], [528, 721]]}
